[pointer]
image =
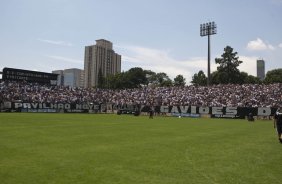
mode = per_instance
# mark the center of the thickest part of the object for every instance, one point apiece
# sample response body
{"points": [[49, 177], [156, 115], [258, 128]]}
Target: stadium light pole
{"points": [[208, 29]]}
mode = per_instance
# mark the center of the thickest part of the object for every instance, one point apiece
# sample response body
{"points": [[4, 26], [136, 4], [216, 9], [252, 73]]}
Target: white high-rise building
{"points": [[100, 57], [260, 69]]}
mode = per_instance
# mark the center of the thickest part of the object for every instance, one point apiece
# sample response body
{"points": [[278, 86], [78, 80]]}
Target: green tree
{"points": [[151, 77], [215, 78], [179, 80], [248, 79], [273, 76], [157, 79], [113, 80], [163, 79], [167, 83], [133, 78], [199, 79], [228, 72], [136, 77], [101, 79], [253, 80]]}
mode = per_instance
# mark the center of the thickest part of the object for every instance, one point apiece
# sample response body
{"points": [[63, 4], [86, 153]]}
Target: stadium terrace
{"points": [[247, 95]]}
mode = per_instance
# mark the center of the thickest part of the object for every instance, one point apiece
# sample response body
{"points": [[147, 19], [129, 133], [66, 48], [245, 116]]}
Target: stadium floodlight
{"points": [[208, 29]]}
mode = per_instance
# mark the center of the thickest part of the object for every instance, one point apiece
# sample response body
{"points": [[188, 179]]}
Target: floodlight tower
{"points": [[208, 29]]}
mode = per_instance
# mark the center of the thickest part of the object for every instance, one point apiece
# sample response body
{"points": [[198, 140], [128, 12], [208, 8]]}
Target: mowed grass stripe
{"points": [[87, 148]]}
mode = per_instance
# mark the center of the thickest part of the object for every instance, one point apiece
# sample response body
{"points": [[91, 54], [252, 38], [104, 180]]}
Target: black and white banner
{"points": [[192, 111]]}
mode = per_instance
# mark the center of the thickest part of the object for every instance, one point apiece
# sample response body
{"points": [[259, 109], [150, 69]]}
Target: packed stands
{"points": [[247, 95]]}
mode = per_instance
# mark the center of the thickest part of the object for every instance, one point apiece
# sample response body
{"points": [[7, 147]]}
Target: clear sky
{"points": [[159, 35]]}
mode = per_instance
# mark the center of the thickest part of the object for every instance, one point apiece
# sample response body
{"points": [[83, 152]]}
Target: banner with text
{"points": [[215, 112]]}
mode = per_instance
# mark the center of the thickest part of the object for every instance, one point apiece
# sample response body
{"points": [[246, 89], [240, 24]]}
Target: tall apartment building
{"points": [[100, 57], [70, 77], [260, 69]]}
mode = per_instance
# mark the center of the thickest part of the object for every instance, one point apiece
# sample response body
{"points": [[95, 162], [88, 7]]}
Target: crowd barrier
{"points": [[183, 111]]}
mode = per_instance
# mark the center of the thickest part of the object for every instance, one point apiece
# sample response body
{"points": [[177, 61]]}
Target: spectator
{"points": [[247, 95]]}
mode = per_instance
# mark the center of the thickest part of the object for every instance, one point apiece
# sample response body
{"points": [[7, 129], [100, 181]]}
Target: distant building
{"points": [[70, 77], [260, 69], [60, 78], [100, 57]]}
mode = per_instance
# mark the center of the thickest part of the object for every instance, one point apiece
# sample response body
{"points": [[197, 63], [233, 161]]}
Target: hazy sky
{"points": [[159, 35]]}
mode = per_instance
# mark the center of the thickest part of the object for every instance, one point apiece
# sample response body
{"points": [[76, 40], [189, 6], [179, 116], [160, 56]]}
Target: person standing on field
{"points": [[151, 112], [278, 124]]}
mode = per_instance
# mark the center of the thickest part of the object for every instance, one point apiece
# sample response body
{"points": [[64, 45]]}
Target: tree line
{"points": [[227, 73], [137, 77]]}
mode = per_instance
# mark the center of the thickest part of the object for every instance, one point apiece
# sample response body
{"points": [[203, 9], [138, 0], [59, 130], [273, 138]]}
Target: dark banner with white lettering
{"points": [[187, 111], [13, 74]]}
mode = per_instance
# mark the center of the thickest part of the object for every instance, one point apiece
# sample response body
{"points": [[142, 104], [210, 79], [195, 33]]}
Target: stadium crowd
{"points": [[247, 95]]}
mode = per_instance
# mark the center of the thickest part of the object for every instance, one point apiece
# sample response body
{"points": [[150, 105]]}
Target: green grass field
{"points": [[86, 148]]}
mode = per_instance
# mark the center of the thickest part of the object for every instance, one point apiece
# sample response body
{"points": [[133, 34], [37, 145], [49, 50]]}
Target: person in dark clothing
{"points": [[278, 124], [151, 113], [251, 117]]}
